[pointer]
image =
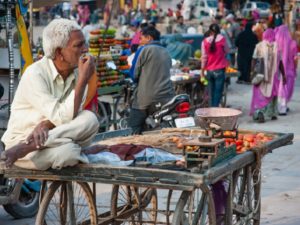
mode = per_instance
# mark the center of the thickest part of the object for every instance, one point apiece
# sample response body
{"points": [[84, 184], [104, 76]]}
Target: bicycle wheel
{"points": [[194, 208], [246, 196], [200, 97], [103, 116], [67, 203], [134, 205], [120, 114]]}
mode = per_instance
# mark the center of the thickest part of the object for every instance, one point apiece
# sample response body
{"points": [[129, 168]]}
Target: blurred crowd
{"points": [[229, 39]]}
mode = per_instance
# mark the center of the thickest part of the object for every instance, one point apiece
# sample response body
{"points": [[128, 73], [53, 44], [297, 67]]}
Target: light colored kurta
{"points": [[42, 94]]}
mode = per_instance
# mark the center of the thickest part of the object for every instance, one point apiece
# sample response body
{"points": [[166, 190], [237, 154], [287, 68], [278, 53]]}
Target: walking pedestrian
{"points": [[245, 43], [264, 97], [180, 27], [288, 48], [214, 49]]}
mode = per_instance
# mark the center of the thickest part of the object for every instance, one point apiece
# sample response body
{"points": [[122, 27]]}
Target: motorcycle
{"points": [[20, 197], [174, 113]]}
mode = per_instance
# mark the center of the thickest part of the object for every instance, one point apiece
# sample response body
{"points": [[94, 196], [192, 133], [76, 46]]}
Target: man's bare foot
{"points": [[11, 155], [94, 149]]}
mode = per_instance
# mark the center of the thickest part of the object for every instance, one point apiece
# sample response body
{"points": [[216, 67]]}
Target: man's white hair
{"points": [[57, 34]]}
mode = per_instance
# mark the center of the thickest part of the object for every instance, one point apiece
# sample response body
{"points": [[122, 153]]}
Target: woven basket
{"points": [[225, 118]]}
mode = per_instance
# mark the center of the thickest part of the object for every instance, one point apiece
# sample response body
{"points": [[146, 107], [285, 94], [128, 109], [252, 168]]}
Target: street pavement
{"points": [[280, 170]]}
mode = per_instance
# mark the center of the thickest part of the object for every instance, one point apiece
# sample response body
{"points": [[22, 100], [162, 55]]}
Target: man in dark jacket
{"points": [[152, 72], [245, 42]]}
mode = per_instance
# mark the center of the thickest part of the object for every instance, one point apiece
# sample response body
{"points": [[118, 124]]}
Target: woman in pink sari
{"points": [[288, 49], [264, 98]]}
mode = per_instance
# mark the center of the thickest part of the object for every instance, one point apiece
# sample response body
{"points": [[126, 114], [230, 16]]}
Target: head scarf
{"points": [[284, 41], [255, 14], [269, 35]]}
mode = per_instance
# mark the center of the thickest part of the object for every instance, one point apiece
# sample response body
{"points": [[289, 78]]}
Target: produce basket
{"points": [[218, 118]]}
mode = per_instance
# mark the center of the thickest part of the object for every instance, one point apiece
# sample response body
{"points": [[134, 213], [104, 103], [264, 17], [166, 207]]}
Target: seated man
{"points": [[151, 69], [47, 126]]}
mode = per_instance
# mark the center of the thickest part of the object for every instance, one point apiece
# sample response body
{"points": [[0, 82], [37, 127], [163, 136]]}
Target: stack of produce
{"points": [[106, 76], [99, 38], [110, 47], [231, 70], [124, 43]]}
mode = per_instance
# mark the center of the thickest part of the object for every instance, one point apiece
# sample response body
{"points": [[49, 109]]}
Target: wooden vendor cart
{"points": [[67, 198]]}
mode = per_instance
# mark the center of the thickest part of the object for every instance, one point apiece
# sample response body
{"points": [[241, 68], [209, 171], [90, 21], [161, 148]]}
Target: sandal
{"points": [[260, 117]]}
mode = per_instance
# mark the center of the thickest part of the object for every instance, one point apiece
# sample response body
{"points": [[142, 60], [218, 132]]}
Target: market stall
{"points": [[188, 80]]}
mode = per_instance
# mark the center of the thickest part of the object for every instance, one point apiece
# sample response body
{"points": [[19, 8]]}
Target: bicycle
{"points": [[116, 113]]}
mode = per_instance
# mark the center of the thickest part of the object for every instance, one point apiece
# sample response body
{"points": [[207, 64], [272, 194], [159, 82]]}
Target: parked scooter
{"points": [[174, 113], [20, 197]]}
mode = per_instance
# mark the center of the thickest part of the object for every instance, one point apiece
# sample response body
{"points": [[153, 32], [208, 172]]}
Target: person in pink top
{"points": [[214, 49]]}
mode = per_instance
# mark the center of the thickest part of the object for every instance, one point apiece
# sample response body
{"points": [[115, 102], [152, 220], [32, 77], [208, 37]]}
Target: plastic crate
{"points": [[224, 153]]}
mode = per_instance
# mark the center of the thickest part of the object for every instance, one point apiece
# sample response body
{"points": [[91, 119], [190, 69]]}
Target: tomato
{"points": [[244, 149], [249, 137], [239, 142], [251, 145], [240, 136], [246, 144], [229, 139], [179, 145], [239, 148], [260, 135], [175, 139], [266, 139]]}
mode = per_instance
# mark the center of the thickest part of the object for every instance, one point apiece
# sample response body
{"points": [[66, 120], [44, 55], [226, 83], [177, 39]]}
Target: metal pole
{"points": [[9, 37], [31, 23]]}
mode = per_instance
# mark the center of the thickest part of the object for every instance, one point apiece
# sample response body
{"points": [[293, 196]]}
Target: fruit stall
{"points": [[105, 47], [188, 80], [209, 156]]}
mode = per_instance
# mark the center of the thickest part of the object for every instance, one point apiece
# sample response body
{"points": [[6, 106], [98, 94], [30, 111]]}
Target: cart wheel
{"points": [[246, 196], [134, 205], [194, 208], [67, 203], [168, 209]]}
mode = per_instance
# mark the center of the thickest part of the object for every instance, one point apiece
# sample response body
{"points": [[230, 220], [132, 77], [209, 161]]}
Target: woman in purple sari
{"points": [[264, 98], [288, 48]]}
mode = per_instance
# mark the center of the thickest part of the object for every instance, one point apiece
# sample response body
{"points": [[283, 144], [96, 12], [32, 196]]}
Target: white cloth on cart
{"points": [[151, 155]]}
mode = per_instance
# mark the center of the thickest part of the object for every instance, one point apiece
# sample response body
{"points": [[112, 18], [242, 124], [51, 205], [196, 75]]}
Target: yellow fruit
{"points": [[197, 54]]}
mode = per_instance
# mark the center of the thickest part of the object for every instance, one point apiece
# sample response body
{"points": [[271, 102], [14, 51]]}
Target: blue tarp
{"points": [[177, 46]]}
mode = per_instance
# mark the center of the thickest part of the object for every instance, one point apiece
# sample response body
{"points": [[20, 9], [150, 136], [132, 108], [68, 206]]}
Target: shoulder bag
{"points": [[259, 71]]}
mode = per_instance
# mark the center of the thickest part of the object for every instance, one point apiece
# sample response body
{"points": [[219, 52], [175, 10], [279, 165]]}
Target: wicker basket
{"points": [[224, 118]]}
